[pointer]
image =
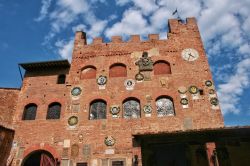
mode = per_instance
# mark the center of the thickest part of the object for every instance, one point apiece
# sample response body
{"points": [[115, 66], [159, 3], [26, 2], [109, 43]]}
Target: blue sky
{"points": [[44, 30]]}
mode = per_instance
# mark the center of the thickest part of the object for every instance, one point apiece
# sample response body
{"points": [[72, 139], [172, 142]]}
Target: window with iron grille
{"points": [[98, 110], [131, 108], [54, 111], [29, 112], [164, 106]]}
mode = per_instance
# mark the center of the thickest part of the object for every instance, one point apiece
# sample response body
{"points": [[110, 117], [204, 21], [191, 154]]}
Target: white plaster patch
{"points": [[66, 143], [109, 151]]}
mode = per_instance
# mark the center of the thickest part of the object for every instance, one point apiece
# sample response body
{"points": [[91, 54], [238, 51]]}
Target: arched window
{"points": [[88, 72], [61, 79], [54, 111], [29, 112], [162, 67], [97, 109], [164, 106], [131, 108], [118, 70]]}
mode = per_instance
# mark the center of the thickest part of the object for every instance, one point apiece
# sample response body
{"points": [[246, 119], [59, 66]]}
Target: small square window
{"points": [[117, 163], [81, 164], [61, 79], [201, 91]]}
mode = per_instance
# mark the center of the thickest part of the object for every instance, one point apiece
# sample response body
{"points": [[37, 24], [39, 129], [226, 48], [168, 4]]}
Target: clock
{"points": [[101, 80], [190, 54], [76, 91]]}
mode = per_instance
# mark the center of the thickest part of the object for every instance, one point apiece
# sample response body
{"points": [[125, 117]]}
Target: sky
{"points": [[44, 30]]}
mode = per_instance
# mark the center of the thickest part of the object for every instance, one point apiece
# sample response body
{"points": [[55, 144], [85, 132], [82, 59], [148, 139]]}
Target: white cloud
{"points": [[229, 93], [246, 25], [97, 28], [159, 18], [146, 6], [65, 48], [245, 49], [131, 23], [122, 2], [44, 10], [66, 12], [80, 27], [112, 17]]}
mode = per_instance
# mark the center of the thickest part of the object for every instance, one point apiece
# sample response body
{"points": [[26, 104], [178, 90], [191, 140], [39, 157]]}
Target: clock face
{"points": [[190, 54]]}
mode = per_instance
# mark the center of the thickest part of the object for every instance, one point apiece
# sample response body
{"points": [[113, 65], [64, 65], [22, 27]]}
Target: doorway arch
{"points": [[39, 158]]}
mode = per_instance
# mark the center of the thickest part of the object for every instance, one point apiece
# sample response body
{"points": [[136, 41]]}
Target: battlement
{"points": [[175, 26]]}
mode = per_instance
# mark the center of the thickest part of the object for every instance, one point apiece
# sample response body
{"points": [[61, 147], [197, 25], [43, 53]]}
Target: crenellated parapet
{"points": [[181, 33], [175, 26]]}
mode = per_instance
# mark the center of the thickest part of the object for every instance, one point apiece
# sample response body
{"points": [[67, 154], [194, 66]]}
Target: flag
{"points": [[175, 12]]}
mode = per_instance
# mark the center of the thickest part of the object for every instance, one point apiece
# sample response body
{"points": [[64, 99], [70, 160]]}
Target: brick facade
{"points": [[8, 100], [84, 142]]}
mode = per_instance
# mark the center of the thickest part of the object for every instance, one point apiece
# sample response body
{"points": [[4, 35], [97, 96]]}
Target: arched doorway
{"points": [[39, 158]]}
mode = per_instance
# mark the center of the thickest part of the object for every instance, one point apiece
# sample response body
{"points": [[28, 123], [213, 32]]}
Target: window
{"points": [[162, 67], [164, 106], [117, 163], [81, 164], [118, 70], [98, 110], [54, 111], [88, 72], [61, 79], [131, 108], [29, 112]]}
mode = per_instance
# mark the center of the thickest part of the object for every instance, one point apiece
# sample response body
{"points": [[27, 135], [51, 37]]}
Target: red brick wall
{"points": [[162, 67], [42, 90], [6, 138], [8, 101], [88, 72], [118, 70]]}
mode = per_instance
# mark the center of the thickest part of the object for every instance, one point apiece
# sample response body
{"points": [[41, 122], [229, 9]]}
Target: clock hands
{"points": [[190, 55]]}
